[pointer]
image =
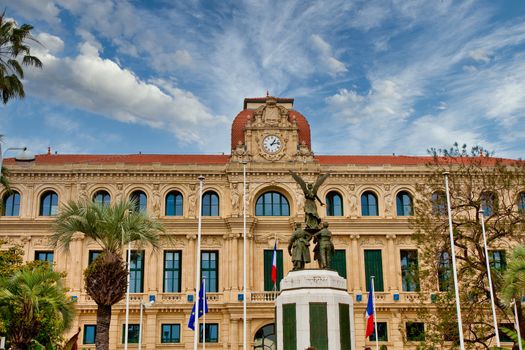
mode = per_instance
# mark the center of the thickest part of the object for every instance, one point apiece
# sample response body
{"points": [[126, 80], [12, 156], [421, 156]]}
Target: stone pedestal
{"points": [[314, 309]]}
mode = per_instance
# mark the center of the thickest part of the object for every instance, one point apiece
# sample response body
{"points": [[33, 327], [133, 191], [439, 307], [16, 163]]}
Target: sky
{"points": [[371, 77]]}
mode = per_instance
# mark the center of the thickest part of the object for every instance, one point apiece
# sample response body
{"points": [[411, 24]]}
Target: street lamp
{"points": [[23, 156], [142, 306]]}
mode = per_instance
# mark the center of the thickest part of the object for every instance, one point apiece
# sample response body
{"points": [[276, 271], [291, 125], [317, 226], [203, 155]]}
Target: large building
{"points": [[368, 205]]}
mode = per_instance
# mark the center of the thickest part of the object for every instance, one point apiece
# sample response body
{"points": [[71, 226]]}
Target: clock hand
{"points": [[271, 144]]}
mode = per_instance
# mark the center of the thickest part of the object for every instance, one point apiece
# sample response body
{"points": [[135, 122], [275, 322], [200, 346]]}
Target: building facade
{"points": [[369, 200]]}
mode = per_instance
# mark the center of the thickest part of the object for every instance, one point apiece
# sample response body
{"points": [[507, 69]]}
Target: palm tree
{"points": [[14, 53], [112, 227], [32, 299], [514, 284]]}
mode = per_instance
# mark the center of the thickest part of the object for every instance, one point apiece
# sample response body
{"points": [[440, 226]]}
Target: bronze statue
{"points": [[298, 247], [312, 218], [324, 249]]}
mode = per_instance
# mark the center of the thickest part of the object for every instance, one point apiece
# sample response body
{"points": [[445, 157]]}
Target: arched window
{"points": [[102, 197], [369, 204], [404, 204], [11, 204], [489, 203], [272, 204], [265, 338], [521, 201], [210, 204], [439, 203], [174, 204], [49, 204], [140, 201], [334, 204]]}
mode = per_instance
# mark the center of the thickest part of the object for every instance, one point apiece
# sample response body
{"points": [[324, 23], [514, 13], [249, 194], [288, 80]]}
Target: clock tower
{"points": [[268, 129]]}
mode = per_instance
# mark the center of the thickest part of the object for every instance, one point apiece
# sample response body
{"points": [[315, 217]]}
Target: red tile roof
{"points": [[127, 159], [211, 159]]}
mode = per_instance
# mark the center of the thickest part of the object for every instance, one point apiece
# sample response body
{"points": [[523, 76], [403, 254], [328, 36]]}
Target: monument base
{"points": [[314, 309]]}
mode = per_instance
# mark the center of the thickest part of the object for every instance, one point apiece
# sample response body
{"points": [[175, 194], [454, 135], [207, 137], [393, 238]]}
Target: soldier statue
{"points": [[298, 247], [324, 248]]}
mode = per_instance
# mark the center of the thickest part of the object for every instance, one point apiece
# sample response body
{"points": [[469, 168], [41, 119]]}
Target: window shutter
{"points": [[374, 267]]}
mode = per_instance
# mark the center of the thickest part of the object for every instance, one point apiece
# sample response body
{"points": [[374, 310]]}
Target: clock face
{"points": [[272, 144]]}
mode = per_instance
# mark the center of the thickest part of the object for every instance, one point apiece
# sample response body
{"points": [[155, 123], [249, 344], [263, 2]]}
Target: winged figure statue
{"points": [[310, 194]]}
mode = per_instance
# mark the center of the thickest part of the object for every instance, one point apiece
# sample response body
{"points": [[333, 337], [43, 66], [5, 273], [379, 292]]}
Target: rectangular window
{"points": [[210, 270], [212, 332], [268, 261], [92, 255], [339, 262], [374, 267], [444, 272], [45, 255], [90, 334], [133, 333], [170, 333], [409, 271], [382, 331], [497, 260], [136, 272], [172, 271], [415, 331]]}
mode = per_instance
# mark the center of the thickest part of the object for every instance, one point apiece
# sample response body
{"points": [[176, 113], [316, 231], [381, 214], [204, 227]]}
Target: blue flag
{"points": [[203, 307]]}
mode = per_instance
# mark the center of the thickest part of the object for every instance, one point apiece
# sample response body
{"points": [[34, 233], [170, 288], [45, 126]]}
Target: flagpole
{"points": [[127, 297], [198, 268], [244, 162], [517, 324], [375, 313], [453, 253], [487, 262], [203, 314]]}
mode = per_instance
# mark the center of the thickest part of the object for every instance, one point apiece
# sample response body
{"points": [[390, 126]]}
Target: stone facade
{"points": [[77, 176]]}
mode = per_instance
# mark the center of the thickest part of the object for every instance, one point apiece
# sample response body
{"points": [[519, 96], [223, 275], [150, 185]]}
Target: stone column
{"points": [[226, 275], [75, 269], [189, 275], [355, 266], [150, 333], [392, 280], [150, 277], [234, 252], [234, 333]]}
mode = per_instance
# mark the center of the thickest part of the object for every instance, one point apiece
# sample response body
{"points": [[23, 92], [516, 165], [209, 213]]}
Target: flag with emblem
{"points": [[203, 307], [274, 265]]}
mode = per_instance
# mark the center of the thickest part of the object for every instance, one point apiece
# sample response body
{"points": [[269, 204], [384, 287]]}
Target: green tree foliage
{"points": [[475, 178], [14, 53], [112, 227], [34, 306]]}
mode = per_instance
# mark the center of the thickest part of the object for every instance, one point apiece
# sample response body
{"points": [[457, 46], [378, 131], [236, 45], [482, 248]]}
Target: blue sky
{"points": [[372, 77]]}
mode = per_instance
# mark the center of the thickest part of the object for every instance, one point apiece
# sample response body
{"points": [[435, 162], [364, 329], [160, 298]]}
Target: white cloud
{"points": [[35, 9], [51, 43], [333, 65], [480, 55], [99, 85]]}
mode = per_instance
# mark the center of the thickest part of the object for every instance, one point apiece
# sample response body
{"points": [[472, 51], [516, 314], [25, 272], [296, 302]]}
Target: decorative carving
{"points": [[192, 201], [212, 241], [235, 198], [388, 204], [352, 209], [156, 200]]}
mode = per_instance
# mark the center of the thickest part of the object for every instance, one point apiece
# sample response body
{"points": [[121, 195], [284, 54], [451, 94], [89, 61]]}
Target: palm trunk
{"points": [[103, 321]]}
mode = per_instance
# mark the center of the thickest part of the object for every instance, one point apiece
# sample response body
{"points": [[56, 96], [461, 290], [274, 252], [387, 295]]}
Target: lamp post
{"points": [[244, 162], [487, 262], [198, 268], [142, 306], [454, 270]]}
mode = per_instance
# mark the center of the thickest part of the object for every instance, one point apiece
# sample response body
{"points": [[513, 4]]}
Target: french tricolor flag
{"points": [[370, 311], [274, 265]]}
